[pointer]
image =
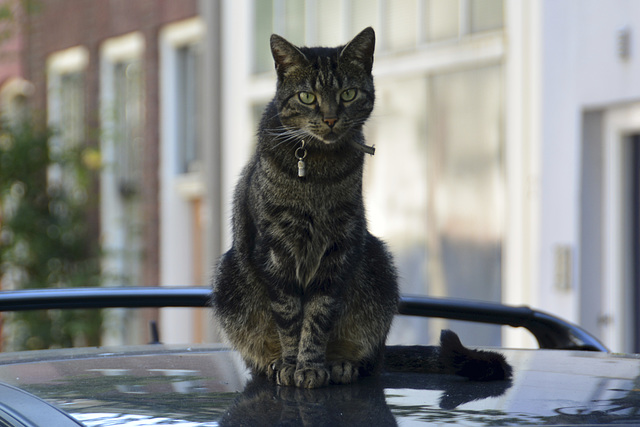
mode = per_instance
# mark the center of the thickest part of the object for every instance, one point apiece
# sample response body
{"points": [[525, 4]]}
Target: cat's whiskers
{"points": [[286, 135]]}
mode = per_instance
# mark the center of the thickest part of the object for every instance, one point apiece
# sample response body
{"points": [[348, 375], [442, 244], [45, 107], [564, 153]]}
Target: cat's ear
{"points": [[360, 49], [286, 56]]}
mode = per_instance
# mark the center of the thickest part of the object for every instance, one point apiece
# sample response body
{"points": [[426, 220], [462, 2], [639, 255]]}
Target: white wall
{"points": [[522, 160], [237, 126], [581, 71]]}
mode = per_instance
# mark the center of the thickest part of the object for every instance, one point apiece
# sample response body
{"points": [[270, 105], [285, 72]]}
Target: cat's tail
{"points": [[451, 357]]}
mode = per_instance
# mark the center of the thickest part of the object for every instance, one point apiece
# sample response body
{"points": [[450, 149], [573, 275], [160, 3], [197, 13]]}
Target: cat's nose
{"points": [[330, 121]]}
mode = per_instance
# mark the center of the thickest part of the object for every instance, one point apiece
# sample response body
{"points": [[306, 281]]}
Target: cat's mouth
{"points": [[331, 137], [328, 136]]}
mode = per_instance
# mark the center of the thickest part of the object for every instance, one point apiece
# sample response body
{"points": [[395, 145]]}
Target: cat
{"points": [[305, 293]]}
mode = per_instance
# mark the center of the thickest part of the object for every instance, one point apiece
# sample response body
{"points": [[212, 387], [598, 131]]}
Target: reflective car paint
{"points": [[208, 386]]}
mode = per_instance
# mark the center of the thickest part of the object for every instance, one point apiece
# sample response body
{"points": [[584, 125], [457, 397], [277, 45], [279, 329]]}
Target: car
{"points": [[571, 380]]}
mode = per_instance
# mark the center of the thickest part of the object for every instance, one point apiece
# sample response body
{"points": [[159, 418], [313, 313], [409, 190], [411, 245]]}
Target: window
{"points": [[181, 176], [485, 15], [446, 227], [71, 93], [466, 214], [188, 76], [121, 146], [401, 25], [127, 163], [128, 122], [181, 73], [362, 14], [122, 118], [442, 20], [330, 21], [284, 17], [66, 108]]}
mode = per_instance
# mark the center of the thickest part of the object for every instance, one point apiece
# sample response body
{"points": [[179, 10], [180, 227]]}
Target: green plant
{"points": [[44, 235]]}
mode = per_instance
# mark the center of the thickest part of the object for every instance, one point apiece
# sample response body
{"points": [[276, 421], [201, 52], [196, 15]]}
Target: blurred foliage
{"points": [[7, 20], [44, 235], [10, 11]]}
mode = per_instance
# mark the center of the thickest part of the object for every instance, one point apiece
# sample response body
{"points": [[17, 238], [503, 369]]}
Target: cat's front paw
{"points": [[282, 373], [343, 372], [311, 376]]}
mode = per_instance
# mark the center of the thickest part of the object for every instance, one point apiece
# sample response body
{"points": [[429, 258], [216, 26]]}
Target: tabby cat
{"points": [[306, 294]]}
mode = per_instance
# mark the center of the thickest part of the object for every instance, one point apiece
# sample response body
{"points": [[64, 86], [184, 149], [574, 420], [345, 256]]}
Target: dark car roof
{"points": [[208, 385]]}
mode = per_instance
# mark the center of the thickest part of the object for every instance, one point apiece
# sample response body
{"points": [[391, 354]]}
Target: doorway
{"points": [[619, 316], [632, 227]]}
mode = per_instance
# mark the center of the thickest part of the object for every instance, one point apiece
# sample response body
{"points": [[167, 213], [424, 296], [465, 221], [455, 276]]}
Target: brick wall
{"points": [[60, 24]]}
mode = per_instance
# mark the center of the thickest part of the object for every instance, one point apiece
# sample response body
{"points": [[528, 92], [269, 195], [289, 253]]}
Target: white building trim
{"points": [[177, 190]]}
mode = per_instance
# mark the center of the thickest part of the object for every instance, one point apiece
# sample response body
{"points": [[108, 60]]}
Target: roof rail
{"points": [[551, 332]]}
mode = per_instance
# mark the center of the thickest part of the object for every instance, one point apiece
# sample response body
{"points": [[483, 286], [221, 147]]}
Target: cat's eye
{"points": [[307, 97], [348, 95]]}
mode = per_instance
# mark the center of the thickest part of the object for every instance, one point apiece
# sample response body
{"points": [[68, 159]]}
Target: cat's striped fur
{"points": [[306, 294]]}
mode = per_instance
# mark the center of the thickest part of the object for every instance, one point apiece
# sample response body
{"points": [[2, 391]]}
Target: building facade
{"points": [[506, 134], [96, 70]]}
